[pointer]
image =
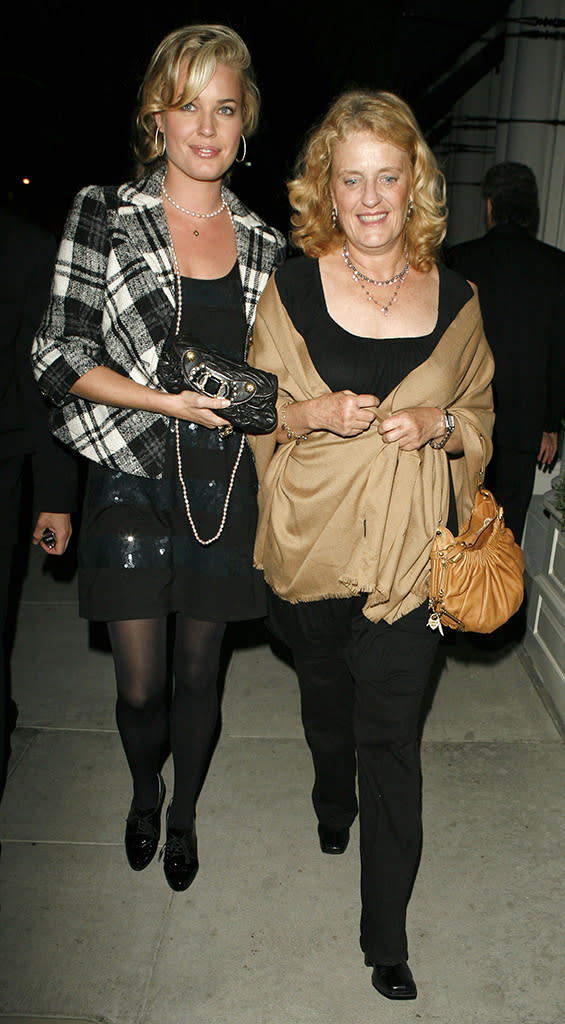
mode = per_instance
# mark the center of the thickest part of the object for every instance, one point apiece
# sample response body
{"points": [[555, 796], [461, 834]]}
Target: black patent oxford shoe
{"points": [[143, 829], [333, 840], [394, 981], [180, 857]]}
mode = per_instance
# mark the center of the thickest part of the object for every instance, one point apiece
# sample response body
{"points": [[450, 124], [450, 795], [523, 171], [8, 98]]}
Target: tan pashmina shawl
{"points": [[344, 516]]}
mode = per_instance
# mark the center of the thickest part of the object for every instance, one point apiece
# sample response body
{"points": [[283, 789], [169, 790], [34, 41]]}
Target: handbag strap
{"points": [[482, 470]]}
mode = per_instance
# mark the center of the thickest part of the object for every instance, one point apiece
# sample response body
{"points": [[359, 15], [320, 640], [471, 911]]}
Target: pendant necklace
{"points": [[362, 280], [193, 213]]}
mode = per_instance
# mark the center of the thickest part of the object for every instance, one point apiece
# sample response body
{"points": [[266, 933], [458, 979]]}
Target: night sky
{"points": [[71, 72]]}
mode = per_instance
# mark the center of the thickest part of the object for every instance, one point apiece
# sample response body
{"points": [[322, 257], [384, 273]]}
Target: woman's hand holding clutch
{"points": [[198, 408]]}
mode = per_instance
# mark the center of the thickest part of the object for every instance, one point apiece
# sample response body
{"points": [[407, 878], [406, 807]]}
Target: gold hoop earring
{"points": [[240, 159], [164, 150]]}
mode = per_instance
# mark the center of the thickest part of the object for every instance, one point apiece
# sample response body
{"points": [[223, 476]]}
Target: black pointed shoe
{"points": [[333, 840], [143, 829], [394, 981], [180, 857]]}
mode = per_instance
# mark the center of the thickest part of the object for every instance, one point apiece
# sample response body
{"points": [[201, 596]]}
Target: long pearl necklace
{"points": [[193, 213], [360, 279], [220, 529]]}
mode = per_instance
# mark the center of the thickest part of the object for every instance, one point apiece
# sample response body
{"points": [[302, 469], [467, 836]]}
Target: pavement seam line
{"points": [[156, 954]]}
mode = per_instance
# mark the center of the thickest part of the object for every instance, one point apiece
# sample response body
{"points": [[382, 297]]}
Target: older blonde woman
{"points": [[160, 535], [385, 415]]}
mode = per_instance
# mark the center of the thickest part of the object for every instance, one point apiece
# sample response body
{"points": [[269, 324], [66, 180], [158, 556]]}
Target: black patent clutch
{"points": [[185, 365]]}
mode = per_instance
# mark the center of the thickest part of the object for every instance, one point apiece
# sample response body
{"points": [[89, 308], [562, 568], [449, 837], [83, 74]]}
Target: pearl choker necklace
{"points": [[193, 213]]}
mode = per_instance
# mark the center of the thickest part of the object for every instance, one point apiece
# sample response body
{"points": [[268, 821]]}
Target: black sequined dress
{"points": [[138, 557]]}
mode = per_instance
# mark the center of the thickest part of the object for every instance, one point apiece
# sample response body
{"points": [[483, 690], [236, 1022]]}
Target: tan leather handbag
{"points": [[476, 580]]}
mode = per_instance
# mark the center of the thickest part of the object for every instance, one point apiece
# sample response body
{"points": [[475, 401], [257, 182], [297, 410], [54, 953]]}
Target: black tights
{"points": [[147, 725]]}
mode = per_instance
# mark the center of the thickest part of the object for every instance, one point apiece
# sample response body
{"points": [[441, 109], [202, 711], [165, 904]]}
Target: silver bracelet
{"points": [[291, 435], [449, 428]]}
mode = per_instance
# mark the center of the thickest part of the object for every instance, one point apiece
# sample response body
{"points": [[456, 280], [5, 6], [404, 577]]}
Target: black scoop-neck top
{"points": [[343, 360]]}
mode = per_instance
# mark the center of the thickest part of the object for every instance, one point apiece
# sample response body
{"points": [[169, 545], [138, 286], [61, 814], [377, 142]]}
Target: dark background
{"points": [[70, 72]]}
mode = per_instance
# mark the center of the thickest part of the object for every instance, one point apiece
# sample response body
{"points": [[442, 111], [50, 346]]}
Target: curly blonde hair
{"points": [[390, 119], [201, 48]]}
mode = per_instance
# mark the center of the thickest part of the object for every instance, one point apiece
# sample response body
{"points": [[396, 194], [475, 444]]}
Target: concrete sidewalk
{"points": [[268, 933]]}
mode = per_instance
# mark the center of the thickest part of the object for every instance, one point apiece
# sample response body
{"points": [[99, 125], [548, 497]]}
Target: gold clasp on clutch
{"points": [[201, 378]]}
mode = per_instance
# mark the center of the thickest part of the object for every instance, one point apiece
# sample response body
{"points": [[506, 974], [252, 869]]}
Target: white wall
{"points": [[530, 85]]}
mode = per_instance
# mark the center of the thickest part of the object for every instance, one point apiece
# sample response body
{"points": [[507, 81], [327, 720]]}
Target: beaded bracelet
{"points": [[292, 436], [449, 428]]}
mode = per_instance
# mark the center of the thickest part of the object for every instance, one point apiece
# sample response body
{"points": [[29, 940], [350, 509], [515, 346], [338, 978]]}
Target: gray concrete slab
{"points": [[80, 932], [46, 1020], [488, 912], [76, 788], [59, 681], [299, 960], [482, 696], [268, 933], [261, 696]]}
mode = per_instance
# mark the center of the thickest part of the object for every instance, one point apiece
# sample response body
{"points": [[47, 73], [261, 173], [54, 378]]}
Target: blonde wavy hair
{"points": [[201, 48], [390, 119]]}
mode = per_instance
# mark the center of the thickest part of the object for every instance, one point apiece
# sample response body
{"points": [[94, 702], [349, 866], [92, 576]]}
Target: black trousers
{"points": [[11, 476], [361, 688]]}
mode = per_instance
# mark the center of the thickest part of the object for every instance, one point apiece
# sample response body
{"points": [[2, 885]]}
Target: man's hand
{"points": [[548, 448], [59, 523]]}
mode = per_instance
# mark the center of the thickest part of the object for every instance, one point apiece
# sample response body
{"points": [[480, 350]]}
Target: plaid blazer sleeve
{"points": [[70, 339], [112, 304]]}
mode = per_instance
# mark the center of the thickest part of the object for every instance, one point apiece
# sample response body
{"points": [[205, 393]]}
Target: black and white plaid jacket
{"points": [[113, 303]]}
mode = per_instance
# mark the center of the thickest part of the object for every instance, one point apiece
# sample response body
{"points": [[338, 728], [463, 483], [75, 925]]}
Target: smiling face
{"points": [[371, 185], [203, 136]]}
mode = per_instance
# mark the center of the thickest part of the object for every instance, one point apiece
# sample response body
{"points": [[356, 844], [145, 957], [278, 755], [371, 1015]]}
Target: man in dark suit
{"points": [[27, 256], [521, 286]]}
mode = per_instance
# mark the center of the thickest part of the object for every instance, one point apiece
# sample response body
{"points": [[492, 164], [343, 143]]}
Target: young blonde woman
{"points": [[170, 508]]}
